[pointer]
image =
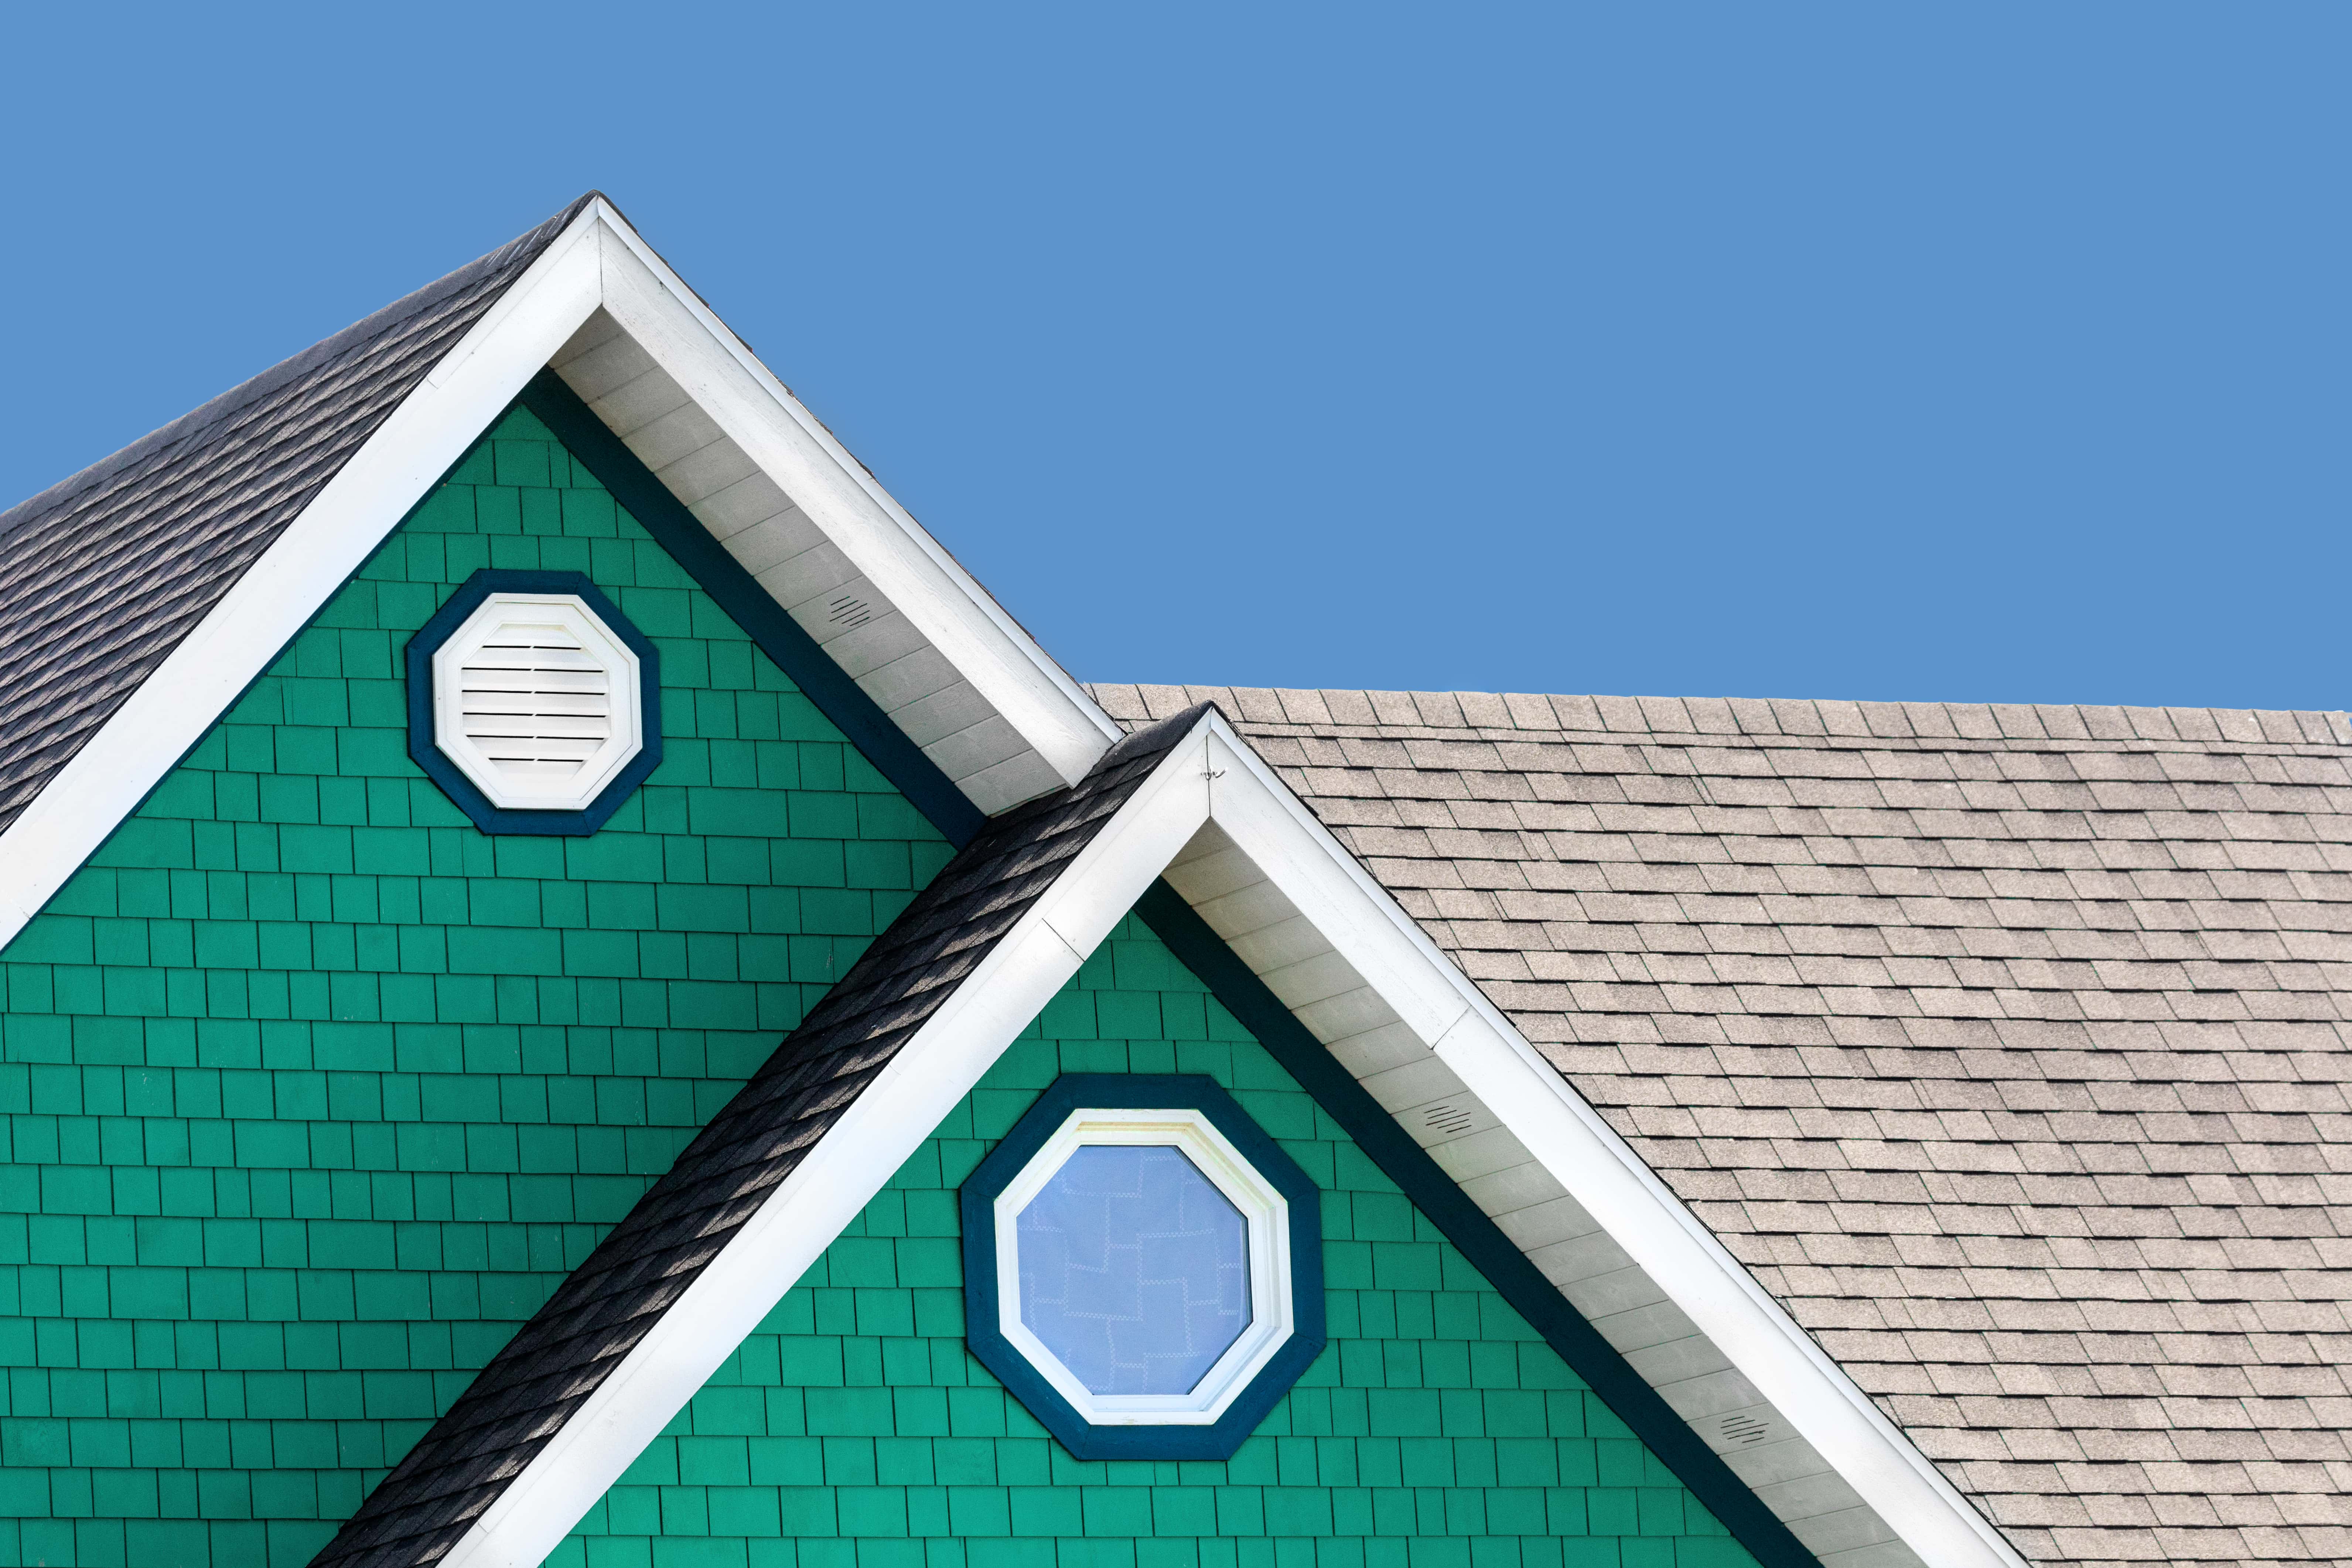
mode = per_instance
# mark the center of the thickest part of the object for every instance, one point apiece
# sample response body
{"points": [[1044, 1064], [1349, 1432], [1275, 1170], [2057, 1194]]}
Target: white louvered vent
{"points": [[537, 702]]}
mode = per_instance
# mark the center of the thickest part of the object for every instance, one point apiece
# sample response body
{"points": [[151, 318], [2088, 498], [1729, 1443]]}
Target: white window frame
{"points": [[1263, 1210], [602, 765]]}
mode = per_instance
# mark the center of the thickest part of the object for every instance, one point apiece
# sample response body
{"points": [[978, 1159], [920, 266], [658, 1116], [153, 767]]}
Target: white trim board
{"points": [[794, 448], [1214, 816], [881, 1129], [194, 684], [598, 261]]}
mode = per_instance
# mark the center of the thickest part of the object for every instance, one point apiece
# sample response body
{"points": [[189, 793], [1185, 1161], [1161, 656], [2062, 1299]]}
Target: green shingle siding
{"points": [[852, 1430], [310, 1094]]}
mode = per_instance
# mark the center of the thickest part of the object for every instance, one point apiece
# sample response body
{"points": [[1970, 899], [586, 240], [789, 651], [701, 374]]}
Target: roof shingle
{"points": [[103, 574], [2006, 1045]]}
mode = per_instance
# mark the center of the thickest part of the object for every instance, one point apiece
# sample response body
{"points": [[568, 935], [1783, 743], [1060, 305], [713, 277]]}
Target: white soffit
{"points": [[1356, 971], [893, 609], [965, 682]]}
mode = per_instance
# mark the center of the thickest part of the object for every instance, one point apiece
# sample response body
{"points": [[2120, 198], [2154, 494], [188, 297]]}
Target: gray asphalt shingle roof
{"points": [[104, 574], [2006, 1045]]}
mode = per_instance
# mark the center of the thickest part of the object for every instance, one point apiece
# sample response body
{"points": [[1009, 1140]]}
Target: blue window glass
{"points": [[1134, 1269]]}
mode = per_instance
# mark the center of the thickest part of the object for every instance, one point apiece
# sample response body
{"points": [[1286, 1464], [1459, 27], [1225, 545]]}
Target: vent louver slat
{"points": [[535, 701], [538, 701]]}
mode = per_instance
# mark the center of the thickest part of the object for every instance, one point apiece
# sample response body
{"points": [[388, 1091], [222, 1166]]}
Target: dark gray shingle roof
{"points": [[2010, 1047], [613, 1299], [103, 574]]}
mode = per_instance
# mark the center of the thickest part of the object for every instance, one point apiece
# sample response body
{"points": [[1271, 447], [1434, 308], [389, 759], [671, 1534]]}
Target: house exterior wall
{"points": [[854, 1430], [310, 1094]]}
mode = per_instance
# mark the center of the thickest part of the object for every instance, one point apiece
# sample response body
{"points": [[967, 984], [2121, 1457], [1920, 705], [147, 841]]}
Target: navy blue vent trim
{"points": [[452, 780]]}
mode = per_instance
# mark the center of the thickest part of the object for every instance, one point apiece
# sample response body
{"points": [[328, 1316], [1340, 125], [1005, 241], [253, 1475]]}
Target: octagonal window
{"points": [[533, 702], [1134, 1268], [1143, 1266]]}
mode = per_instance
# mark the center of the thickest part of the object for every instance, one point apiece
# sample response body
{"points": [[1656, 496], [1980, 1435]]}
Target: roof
{"points": [[2001, 1044], [2006, 1045], [608, 1306], [103, 574]]}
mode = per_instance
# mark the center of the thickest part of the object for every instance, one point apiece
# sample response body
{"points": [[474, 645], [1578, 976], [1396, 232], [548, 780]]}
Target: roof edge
{"points": [[1199, 773], [1717, 721], [254, 388], [533, 295], [884, 1056], [1054, 714]]}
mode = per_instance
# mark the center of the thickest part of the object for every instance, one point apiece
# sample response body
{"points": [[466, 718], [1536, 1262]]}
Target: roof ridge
{"points": [[2040, 725]]}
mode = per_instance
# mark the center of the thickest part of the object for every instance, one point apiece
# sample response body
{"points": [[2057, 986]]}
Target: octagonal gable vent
{"points": [[537, 702], [541, 706]]}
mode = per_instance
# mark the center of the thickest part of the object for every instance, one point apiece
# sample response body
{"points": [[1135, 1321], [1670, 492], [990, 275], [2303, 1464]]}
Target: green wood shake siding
{"points": [[854, 1430], [310, 1093]]}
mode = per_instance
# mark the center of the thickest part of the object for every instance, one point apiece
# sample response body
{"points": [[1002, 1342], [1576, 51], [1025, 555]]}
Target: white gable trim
{"points": [[598, 260], [196, 684], [1454, 1021], [881, 1129], [747, 402], [1213, 786]]}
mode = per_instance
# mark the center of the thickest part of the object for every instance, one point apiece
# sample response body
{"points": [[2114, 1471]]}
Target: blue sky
{"points": [[1977, 353]]}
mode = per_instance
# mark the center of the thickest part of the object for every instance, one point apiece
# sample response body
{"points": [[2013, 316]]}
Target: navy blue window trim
{"points": [[1143, 1091], [1463, 1224], [1205, 953], [780, 636], [452, 779]]}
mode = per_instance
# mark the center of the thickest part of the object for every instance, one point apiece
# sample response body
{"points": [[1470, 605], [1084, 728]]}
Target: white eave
{"points": [[1355, 970], [938, 655]]}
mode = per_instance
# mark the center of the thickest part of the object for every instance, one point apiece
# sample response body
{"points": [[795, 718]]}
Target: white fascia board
{"points": [[598, 260], [877, 535], [1385, 946], [91, 796], [1214, 775], [878, 1134], [1217, 777]]}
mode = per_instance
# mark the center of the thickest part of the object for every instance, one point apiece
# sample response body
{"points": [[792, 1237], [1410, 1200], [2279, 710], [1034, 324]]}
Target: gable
{"points": [[788, 536], [312, 1092], [308, 484], [1437, 1426], [1516, 1171]]}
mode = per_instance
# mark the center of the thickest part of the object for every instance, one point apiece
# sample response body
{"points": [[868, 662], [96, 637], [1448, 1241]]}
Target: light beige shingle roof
{"points": [[2007, 1045]]}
